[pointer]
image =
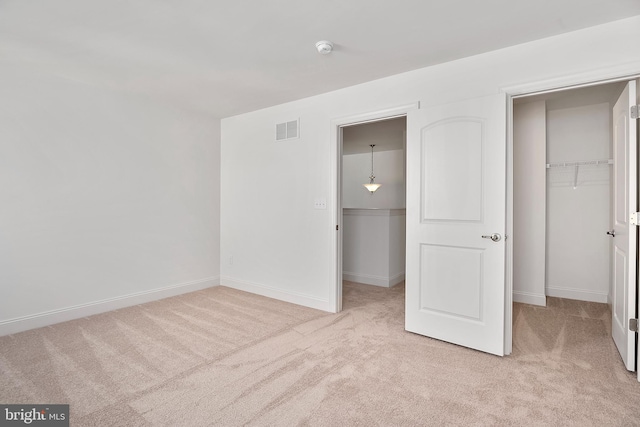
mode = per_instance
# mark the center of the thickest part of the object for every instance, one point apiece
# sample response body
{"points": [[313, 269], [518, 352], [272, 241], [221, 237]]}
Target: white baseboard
{"points": [[529, 298], [577, 294], [38, 320], [368, 279], [279, 294], [394, 280]]}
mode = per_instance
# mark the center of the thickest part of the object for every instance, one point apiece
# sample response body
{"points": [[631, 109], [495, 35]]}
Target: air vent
{"points": [[287, 130]]}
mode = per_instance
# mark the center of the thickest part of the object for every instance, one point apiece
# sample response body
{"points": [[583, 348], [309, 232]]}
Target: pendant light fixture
{"points": [[372, 186]]}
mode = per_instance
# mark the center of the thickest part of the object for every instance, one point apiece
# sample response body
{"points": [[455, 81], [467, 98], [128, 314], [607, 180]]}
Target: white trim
{"points": [[508, 235], [592, 78], [375, 116], [279, 294], [336, 158], [19, 324], [368, 279], [578, 294], [529, 298], [335, 248], [373, 212]]}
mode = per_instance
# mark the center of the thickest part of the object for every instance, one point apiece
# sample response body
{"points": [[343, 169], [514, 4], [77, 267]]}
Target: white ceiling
{"points": [[225, 58]]}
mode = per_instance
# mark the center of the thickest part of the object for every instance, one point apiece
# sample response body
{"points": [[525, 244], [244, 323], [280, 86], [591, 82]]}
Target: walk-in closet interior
{"points": [[563, 165]]}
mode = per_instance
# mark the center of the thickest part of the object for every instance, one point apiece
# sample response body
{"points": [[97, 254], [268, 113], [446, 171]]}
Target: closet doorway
{"points": [[373, 223], [568, 175]]}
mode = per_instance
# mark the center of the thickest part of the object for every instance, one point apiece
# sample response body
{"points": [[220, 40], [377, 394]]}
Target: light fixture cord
{"points": [[372, 177]]}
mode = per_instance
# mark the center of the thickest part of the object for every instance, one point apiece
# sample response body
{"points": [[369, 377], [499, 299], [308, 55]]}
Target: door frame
{"points": [[336, 184], [538, 88]]}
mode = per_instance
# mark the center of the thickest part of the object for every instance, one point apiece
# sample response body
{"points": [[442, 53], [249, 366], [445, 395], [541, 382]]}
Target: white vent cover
{"points": [[287, 130]]}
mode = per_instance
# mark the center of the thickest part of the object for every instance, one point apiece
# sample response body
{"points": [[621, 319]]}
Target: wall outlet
{"points": [[320, 204], [231, 260]]}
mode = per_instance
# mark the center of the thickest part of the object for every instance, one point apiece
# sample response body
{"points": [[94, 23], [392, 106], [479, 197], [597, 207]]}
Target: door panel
{"points": [[624, 243], [445, 288], [442, 144], [455, 278]]}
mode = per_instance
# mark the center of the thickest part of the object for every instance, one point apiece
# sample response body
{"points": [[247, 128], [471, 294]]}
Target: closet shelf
{"points": [[585, 163], [576, 167]]}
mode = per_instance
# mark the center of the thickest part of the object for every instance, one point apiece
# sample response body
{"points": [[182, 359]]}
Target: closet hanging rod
{"points": [[588, 162]]}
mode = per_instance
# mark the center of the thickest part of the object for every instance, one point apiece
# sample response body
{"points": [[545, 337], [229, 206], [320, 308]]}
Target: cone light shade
{"points": [[372, 186]]}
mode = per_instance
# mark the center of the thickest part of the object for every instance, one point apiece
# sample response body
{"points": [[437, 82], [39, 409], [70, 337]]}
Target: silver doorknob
{"points": [[612, 233], [495, 237]]}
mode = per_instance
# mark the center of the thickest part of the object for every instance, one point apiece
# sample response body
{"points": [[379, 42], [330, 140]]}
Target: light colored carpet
{"points": [[225, 357]]}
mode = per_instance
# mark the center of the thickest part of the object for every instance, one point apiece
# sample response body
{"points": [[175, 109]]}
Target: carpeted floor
{"points": [[224, 357]]}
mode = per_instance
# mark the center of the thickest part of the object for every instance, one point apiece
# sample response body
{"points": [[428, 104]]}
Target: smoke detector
{"points": [[324, 47]]}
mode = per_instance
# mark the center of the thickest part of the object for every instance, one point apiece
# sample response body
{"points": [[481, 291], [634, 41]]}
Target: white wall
{"points": [[577, 218], [106, 200], [281, 245], [373, 247], [397, 247], [388, 170], [529, 202]]}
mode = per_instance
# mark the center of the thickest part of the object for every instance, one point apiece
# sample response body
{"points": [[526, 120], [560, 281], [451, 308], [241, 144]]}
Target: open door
{"points": [[624, 295], [456, 207]]}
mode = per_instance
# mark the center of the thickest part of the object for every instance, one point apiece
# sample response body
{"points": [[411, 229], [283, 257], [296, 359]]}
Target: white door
{"points": [[456, 179], [624, 243]]}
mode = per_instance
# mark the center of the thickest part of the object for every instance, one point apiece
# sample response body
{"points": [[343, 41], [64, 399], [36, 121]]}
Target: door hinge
{"points": [[635, 109], [337, 227], [635, 218], [633, 325]]}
